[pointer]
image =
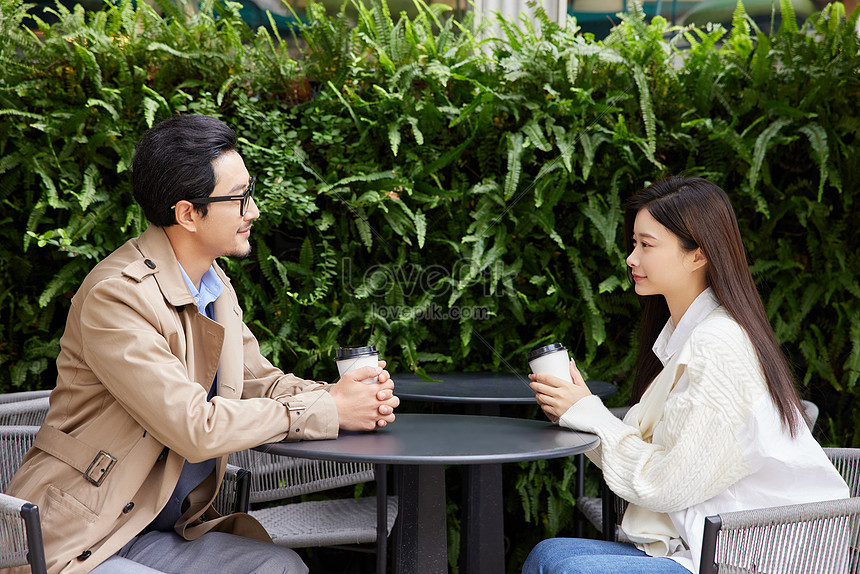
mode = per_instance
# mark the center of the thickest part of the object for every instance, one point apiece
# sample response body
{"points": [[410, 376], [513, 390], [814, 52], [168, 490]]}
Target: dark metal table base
{"points": [[420, 547], [483, 534]]}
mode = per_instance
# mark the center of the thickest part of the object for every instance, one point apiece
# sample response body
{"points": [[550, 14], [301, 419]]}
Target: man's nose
{"points": [[253, 212]]}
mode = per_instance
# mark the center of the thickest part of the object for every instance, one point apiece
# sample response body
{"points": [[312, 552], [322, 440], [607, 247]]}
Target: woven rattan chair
{"points": [[604, 509], [20, 530], [20, 535], [23, 396], [847, 462], [235, 491], [333, 522], [609, 508], [24, 408], [814, 537], [15, 441], [28, 412]]}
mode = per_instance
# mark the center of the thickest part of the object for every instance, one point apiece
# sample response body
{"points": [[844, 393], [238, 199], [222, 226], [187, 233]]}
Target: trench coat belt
{"points": [[93, 463]]}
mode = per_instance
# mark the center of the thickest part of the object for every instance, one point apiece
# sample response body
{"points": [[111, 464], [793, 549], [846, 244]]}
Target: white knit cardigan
{"points": [[705, 438]]}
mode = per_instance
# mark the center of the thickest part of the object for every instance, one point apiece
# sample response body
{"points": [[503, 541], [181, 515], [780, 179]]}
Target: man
{"points": [[159, 380]]}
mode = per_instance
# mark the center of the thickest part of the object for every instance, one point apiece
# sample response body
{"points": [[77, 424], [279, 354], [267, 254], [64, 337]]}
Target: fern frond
{"points": [[515, 167], [817, 136], [762, 144], [789, 18]]}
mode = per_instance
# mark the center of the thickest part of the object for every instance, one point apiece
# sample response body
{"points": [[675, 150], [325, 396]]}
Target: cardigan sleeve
{"points": [[694, 454]]}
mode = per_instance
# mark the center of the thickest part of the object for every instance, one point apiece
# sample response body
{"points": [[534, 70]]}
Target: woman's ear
{"points": [[699, 260]]}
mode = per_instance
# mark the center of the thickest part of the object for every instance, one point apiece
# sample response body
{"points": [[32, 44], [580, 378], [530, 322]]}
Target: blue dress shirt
{"points": [[193, 473]]}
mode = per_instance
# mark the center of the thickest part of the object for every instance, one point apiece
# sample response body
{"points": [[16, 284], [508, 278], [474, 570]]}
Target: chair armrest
{"points": [[612, 508], [235, 492], [610, 513], [811, 537], [21, 532]]}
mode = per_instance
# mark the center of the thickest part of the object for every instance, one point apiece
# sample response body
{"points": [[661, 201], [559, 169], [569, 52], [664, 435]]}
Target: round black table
{"points": [[419, 446], [482, 393]]}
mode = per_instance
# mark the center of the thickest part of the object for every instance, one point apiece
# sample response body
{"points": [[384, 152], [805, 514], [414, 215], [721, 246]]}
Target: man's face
{"points": [[224, 232]]}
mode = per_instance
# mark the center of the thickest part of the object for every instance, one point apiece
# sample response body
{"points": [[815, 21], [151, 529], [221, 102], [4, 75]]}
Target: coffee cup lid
{"points": [[355, 352], [546, 350]]}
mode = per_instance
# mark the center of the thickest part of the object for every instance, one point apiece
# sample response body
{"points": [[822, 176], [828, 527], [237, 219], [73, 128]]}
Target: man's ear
{"points": [[186, 215]]}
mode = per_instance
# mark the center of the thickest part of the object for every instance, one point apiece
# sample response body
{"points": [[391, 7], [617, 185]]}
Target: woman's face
{"points": [[658, 263]]}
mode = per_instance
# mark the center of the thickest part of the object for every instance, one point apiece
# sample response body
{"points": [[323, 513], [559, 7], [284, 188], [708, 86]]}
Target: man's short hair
{"points": [[173, 161]]}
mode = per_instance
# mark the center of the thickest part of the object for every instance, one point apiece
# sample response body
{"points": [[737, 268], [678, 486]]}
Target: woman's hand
{"points": [[555, 395]]}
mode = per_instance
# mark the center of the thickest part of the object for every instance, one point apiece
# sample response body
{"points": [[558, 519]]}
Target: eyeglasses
{"points": [[244, 199]]}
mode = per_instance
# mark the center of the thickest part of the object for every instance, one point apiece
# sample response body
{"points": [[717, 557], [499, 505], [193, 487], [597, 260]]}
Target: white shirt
{"points": [[705, 438]]}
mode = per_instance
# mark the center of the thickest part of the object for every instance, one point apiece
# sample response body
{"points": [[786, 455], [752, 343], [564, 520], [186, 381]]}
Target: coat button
{"points": [[127, 508], [163, 453], [84, 555], [149, 263]]}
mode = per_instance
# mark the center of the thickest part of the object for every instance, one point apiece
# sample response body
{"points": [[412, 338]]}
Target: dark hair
{"points": [[173, 161], [700, 214]]}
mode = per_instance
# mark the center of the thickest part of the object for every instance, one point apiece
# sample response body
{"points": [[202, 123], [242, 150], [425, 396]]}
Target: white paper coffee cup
{"points": [[350, 358], [551, 359]]}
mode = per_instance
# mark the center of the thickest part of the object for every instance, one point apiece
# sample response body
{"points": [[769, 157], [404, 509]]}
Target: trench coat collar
{"points": [[155, 247]]}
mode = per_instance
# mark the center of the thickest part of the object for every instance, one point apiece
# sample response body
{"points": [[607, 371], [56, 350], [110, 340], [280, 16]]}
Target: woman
{"points": [[716, 425]]}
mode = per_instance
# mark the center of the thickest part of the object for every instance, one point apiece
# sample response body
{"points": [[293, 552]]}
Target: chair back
{"points": [[812, 537], [23, 396], [276, 477], [15, 441], [847, 462], [27, 412]]}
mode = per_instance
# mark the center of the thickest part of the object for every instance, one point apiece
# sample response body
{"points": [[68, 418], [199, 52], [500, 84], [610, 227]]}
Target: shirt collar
{"points": [[671, 337], [210, 288]]}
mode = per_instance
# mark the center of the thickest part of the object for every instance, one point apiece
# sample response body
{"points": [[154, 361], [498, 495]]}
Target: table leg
{"points": [[420, 533], [380, 471], [482, 536], [579, 518]]}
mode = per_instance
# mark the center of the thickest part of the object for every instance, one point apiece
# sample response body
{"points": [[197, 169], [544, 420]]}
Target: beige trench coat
{"points": [[137, 359]]}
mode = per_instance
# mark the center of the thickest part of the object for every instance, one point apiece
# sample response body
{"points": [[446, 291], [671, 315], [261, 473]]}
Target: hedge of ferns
{"points": [[451, 192]]}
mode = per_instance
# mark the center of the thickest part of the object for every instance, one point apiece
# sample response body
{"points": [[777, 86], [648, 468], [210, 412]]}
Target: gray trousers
{"points": [[167, 552]]}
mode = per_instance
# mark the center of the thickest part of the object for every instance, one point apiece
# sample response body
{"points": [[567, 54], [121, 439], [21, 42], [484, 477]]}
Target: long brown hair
{"points": [[700, 215]]}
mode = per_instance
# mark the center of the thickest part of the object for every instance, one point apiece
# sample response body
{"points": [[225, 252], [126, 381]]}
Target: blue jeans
{"points": [[582, 555]]}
